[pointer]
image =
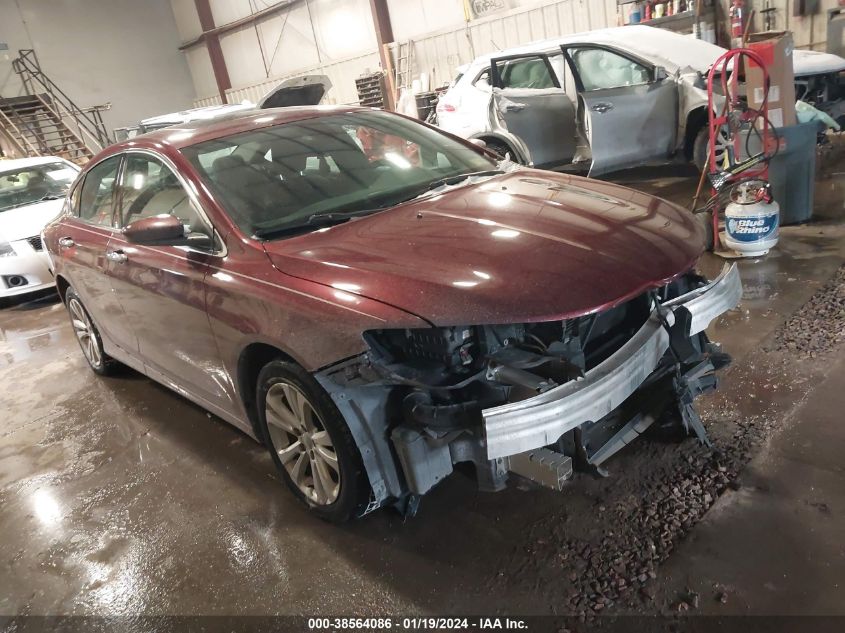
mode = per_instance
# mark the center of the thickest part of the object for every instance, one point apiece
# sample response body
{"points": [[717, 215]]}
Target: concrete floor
{"points": [[119, 497]]}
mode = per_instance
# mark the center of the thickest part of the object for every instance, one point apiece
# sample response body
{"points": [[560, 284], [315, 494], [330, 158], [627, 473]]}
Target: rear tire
{"points": [[502, 149], [88, 336], [310, 443]]}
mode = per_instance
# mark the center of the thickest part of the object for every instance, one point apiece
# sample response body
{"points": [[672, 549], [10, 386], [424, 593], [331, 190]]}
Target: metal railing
{"points": [[15, 136], [88, 122]]}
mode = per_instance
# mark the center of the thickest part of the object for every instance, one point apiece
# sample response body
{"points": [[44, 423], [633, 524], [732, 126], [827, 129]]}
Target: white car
{"points": [[32, 192], [613, 98]]}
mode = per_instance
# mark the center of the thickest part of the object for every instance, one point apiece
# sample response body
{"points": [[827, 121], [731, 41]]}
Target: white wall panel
{"points": [[187, 20], [243, 56], [343, 27], [199, 65], [226, 11], [410, 18], [128, 56], [288, 42]]}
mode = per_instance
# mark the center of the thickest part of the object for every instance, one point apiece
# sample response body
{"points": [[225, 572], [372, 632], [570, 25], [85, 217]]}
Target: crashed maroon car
{"points": [[377, 301]]}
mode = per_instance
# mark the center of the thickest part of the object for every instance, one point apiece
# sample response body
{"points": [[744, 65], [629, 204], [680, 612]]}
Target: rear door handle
{"points": [[117, 257], [65, 242], [514, 107], [601, 108]]}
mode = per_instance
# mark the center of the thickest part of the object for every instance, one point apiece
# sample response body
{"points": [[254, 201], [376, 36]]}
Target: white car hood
{"points": [[816, 63], [27, 221]]}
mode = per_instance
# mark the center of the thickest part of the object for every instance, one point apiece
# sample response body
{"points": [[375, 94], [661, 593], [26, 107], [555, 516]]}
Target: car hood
{"points": [[297, 91], [815, 63], [27, 221], [523, 246]]}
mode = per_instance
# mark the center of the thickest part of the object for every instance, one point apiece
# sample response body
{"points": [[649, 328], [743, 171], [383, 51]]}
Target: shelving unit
{"points": [[371, 90], [680, 22]]}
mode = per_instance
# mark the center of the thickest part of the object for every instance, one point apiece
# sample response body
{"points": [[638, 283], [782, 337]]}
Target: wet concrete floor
{"points": [[119, 497]]}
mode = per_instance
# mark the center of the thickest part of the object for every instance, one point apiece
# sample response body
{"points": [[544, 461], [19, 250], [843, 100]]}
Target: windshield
{"points": [[287, 176], [27, 185]]}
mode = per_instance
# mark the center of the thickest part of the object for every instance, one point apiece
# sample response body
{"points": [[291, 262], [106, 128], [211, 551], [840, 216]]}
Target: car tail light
{"points": [[445, 107]]}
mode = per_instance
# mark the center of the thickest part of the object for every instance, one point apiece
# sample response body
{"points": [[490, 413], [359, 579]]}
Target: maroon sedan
{"points": [[377, 301]]}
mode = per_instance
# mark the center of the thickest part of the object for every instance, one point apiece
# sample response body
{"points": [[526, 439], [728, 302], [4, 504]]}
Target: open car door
{"points": [[297, 91], [528, 98], [629, 107]]}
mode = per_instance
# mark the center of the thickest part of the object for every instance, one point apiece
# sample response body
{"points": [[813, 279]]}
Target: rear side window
{"points": [[531, 72], [96, 200]]}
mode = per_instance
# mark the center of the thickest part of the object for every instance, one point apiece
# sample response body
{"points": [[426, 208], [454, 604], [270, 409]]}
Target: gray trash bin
{"points": [[792, 172]]}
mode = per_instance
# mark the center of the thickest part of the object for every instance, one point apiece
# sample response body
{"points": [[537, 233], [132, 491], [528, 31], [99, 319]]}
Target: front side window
{"points": [[96, 199], [150, 188], [600, 69], [29, 185], [284, 177]]}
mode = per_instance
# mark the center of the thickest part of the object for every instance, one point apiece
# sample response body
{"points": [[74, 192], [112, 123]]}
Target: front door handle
{"points": [[601, 108], [65, 242], [514, 107], [117, 257]]}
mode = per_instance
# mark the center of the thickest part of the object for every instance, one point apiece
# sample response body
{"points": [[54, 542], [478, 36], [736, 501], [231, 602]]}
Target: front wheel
{"points": [[310, 442], [701, 148], [88, 336]]}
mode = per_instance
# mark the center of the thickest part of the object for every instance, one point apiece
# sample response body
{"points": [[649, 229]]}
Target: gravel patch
{"points": [[819, 326]]}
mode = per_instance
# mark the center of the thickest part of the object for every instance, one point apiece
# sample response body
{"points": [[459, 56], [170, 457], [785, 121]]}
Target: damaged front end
{"points": [[536, 399]]}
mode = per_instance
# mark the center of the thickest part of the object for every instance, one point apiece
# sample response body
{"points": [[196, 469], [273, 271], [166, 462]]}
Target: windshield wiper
{"points": [[318, 220], [454, 180]]}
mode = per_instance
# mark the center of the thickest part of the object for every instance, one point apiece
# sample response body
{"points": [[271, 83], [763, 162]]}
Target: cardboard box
{"points": [[775, 49]]}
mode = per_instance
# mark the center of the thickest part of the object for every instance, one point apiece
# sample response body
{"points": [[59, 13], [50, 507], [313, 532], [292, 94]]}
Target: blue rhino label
{"points": [[752, 229]]}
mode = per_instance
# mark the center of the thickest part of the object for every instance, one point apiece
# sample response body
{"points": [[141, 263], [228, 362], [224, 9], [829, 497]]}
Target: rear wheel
{"points": [[502, 149], [309, 442], [88, 335]]}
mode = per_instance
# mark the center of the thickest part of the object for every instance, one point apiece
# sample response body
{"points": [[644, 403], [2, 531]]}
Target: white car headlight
{"points": [[6, 249]]}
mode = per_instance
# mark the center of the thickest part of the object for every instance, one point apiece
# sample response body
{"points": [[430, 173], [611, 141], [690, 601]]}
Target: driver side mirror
{"points": [[660, 73], [164, 230]]}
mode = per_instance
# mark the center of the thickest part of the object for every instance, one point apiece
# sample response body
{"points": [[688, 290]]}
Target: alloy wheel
{"points": [[302, 443], [85, 332]]}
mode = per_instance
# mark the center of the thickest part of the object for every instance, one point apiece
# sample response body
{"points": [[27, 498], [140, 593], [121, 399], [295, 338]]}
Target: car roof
{"points": [[663, 47], [194, 132], [21, 163]]}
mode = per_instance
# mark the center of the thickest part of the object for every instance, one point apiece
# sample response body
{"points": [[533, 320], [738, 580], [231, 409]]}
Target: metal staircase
{"points": [[45, 121]]}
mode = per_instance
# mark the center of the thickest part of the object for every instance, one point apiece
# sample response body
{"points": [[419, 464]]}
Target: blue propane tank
{"points": [[751, 224]]}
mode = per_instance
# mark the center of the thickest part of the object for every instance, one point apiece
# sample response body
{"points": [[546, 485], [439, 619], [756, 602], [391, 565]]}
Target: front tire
{"points": [[309, 442], [88, 336], [701, 148]]}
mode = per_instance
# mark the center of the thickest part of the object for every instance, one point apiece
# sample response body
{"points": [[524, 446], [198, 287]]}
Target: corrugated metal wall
{"points": [[441, 53], [437, 53]]}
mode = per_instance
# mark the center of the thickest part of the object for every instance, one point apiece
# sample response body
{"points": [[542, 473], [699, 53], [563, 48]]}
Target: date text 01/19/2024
{"points": [[420, 623]]}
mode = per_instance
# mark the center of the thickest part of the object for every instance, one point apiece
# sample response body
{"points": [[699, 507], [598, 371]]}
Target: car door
{"points": [[628, 107], [528, 98], [83, 243], [162, 288]]}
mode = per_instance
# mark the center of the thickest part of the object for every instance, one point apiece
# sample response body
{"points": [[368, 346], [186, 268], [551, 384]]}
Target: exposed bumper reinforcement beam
{"points": [[521, 426]]}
